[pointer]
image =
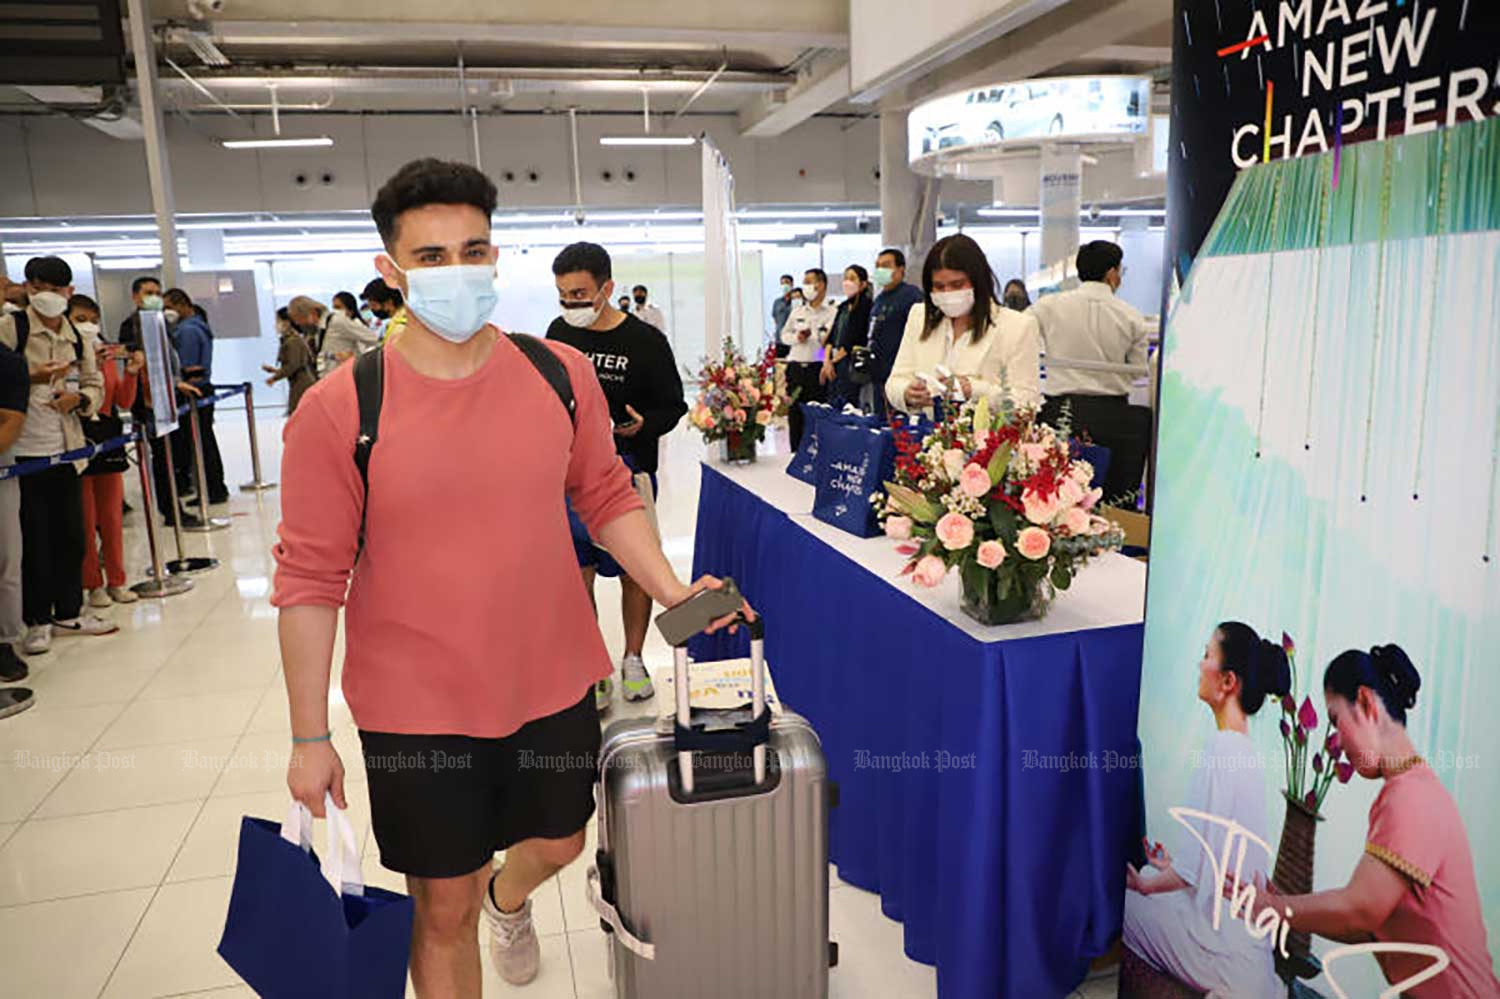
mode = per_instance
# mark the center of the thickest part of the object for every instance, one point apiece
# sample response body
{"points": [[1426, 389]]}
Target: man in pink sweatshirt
{"points": [[471, 645]]}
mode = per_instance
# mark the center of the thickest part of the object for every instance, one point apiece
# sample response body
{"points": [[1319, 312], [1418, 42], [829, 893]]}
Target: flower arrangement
{"points": [[1299, 723], [738, 400], [1003, 498]]}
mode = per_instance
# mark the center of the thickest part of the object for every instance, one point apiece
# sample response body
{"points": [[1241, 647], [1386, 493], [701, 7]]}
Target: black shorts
{"points": [[441, 805]]}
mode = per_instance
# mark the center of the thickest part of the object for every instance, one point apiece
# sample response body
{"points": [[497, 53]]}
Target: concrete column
{"points": [[158, 169], [908, 201], [1060, 199]]}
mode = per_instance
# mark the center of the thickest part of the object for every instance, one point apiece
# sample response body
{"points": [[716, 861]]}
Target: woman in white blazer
{"points": [[986, 348]]}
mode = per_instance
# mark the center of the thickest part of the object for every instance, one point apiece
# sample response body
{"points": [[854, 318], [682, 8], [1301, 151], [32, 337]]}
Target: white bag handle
{"points": [[611, 915], [340, 862]]}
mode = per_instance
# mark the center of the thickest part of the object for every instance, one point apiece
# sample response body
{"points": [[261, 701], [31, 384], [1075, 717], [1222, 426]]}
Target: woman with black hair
{"points": [[1016, 296], [1415, 883], [851, 329], [964, 343], [1169, 906]]}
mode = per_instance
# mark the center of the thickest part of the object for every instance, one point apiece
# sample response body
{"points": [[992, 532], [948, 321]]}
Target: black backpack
{"points": [[369, 389]]}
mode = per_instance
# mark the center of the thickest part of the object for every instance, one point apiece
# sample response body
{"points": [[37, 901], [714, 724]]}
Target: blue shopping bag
{"points": [[856, 456], [804, 465], [298, 927]]}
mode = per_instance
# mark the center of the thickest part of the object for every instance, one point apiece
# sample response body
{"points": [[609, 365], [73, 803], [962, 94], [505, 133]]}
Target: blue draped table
{"points": [[989, 780]]}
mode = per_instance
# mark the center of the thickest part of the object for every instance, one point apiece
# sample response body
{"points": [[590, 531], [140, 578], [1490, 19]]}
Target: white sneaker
{"points": [[514, 948], [88, 624], [99, 597], [123, 595], [38, 639], [634, 679]]}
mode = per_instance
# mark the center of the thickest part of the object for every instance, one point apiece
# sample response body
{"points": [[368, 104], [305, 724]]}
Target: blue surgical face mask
{"points": [[454, 301]]}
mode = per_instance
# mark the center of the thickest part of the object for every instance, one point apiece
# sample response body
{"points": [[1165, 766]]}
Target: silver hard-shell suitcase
{"points": [[712, 880]]}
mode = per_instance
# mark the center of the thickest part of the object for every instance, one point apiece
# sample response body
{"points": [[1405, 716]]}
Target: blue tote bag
{"points": [[298, 927], [804, 466], [856, 456]]}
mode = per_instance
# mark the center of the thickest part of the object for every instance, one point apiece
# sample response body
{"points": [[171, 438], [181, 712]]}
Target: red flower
{"points": [[1311, 801], [1317, 763], [1288, 705], [1307, 716], [1345, 770], [1288, 645]]}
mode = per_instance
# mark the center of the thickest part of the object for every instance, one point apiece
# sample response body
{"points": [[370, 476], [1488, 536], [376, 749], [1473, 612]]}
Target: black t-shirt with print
{"points": [[635, 367]]}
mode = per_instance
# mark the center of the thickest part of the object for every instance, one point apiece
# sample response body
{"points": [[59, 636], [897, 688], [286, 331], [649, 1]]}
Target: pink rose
{"points": [[955, 531], [1071, 493], [1082, 472], [898, 528], [953, 463], [1077, 521], [1093, 497], [929, 572], [991, 554], [1034, 543], [974, 481], [1098, 525], [709, 422], [1034, 452], [739, 416], [1038, 510], [728, 412], [763, 417]]}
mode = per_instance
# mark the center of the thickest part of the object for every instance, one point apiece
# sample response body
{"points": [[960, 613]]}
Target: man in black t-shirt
{"points": [[15, 396], [636, 368]]}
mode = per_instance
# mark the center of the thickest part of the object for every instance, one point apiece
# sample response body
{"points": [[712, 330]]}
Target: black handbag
{"points": [[97, 431], [861, 365]]}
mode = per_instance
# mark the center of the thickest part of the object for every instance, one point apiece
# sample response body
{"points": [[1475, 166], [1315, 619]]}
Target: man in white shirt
{"points": [[1090, 323], [646, 312], [806, 333]]}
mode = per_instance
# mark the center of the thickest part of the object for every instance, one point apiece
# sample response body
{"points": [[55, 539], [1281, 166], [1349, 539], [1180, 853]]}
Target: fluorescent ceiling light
{"points": [[321, 140], [646, 140]]}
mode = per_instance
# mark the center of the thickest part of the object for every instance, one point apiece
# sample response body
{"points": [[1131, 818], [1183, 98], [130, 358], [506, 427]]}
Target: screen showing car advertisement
{"points": [[1031, 110]]}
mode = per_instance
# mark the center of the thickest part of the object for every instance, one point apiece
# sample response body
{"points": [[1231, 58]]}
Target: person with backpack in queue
{"points": [[468, 630]]}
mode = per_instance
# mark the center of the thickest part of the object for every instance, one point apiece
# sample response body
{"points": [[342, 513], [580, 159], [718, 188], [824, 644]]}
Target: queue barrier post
{"points": [[160, 584], [206, 521], [183, 562], [256, 484]]}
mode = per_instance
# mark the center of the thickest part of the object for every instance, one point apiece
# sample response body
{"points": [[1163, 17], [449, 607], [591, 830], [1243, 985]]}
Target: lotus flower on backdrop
{"points": [[1298, 727], [1001, 497], [737, 400]]}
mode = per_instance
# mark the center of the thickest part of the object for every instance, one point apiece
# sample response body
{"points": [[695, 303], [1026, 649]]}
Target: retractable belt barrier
{"points": [[33, 465]]}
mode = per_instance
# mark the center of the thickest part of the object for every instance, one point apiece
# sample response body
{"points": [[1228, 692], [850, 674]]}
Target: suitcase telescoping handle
{"points": [[678, 625], [756, 731]]}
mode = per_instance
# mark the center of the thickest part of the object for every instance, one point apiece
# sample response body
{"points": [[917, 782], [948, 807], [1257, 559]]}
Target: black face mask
{"points": [[640, 300], [1017, 302]]}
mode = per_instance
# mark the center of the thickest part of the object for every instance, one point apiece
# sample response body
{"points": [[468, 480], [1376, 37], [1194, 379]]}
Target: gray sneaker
{"points": [[514, 948], [634, 679], [602, 691]]}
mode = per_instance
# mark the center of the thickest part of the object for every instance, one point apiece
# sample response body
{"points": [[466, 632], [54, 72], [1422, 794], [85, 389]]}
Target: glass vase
{"points": [[984, 604], [737, 449]]}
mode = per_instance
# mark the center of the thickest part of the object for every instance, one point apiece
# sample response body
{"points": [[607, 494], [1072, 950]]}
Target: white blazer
{"points": [[1011, 347]]}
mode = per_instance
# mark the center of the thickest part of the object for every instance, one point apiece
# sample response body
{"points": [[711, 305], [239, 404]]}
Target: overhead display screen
{"points": [[1072, 108]]}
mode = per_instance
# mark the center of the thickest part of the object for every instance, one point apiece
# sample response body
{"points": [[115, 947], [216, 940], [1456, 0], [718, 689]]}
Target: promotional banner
{"points": [[1261, 80], [1321, 770]]}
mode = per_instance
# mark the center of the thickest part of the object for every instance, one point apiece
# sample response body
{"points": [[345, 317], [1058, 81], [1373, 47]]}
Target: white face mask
{"points": [[49, 304], [954, 303], [90, 330], [809, 292], [170, 315], [581, 316]]}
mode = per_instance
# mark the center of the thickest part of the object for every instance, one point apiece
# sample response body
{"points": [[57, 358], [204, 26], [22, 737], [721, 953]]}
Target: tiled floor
{"points": [[121, 792]]}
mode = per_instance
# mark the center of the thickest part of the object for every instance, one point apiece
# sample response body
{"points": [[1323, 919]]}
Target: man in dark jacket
{"points": [[893, 301], [195, 350]]}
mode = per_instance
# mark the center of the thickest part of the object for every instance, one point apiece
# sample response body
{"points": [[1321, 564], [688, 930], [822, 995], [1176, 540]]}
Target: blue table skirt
{"points": [[1005, 867]]}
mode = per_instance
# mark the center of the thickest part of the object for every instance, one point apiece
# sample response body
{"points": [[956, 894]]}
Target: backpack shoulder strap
{"points": [[369, 390], [551, 368]]}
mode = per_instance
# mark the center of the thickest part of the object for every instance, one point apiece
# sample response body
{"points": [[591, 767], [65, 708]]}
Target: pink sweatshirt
{"points": [[467, 614]]}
